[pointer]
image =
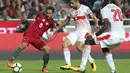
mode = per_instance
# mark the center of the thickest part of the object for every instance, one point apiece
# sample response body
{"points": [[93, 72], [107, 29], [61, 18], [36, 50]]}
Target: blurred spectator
{"points": [[96, 8], [126, 13], [1, 3], [41, 7], [26, 7], [57, 11], [47, 3], [13, 9], [97, 4], [62, 17], [5, 15], [34, 10], [7, 6], [31, 8], [42, 1]]}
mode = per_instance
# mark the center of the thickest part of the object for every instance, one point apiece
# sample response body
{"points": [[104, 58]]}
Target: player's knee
{"points": [[65, 43], [105, 51], [79, 45], [46, 49], [23, 45]]}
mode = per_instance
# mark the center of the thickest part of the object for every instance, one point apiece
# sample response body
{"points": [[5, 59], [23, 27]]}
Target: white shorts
{"points": [[106, 40], [78, 35]]}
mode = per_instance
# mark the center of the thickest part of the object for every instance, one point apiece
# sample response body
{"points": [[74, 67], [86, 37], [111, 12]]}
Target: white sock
{"points": [[85, 55], [110, 62], [67, 56], [90, 59]]}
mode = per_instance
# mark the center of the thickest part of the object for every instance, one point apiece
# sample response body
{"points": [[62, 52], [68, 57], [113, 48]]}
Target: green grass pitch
{"points": [[34, 66]]}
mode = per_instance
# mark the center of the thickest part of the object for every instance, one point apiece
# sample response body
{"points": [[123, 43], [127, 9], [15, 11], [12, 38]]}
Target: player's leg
{"points": [[92, 63], [45, 49], [85, 53], [67, 54], [38, 43], [16, 53], [108, 44], [91, 60], [109, 59], [68, 41]]}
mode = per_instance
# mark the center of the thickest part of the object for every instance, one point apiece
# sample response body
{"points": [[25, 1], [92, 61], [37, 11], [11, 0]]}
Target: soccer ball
{"points": [[17, 67]]}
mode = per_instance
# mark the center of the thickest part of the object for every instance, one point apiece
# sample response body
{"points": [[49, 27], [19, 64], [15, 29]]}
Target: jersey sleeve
{"points": [[105, 13], [69, 14], [88, 11], [39, 16]]}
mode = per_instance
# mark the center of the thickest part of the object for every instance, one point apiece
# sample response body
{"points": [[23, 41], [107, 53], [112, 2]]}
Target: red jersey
{"points": [[41, 25]]}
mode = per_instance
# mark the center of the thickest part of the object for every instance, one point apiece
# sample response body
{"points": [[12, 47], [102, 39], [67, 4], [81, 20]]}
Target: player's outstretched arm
{"points": [[63, 23], [90, 39], [95, 20], [106, 26]]}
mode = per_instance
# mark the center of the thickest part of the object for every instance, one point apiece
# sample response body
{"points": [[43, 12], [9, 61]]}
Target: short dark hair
{"points": [[50, 8]]}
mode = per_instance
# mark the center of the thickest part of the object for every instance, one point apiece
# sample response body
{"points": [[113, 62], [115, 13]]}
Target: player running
{"points": [[111, 34], [33, 36], [80, 14]]}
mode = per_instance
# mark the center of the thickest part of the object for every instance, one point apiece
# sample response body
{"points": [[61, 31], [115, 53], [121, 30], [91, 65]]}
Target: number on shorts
{"points": [[117, 15]]}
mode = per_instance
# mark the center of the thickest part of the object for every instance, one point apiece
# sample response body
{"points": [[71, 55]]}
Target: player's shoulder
{"points": [[110, 6], [41, 14], [84, 6], [51, 20], [71, 9], [106, 8]]}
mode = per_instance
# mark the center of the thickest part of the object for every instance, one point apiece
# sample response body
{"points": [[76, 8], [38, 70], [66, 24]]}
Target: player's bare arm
{"points": [[90, 39], [105, 26], [62, 24], [95, 20]]}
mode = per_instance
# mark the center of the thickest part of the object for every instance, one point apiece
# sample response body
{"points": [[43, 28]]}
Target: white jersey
{"points": [[113, 14], [80, 17]]}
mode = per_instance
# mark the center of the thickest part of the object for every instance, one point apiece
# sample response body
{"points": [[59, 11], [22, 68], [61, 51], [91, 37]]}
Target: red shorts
{"points": [[34, 39]]}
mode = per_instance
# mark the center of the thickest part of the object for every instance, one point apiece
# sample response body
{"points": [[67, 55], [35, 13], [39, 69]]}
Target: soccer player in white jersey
{"points": [[111, 34], [80, 14]]}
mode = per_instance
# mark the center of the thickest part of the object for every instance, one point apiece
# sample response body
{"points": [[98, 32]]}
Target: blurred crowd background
{"points": [[17, 9]]}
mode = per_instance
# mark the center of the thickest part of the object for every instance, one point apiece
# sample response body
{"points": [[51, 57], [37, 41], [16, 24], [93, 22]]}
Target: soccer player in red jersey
{"points": [[33, 36]]}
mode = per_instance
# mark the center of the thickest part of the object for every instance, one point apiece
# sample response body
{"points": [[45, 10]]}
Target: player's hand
{"points": [[56, 30], [90, 40], [97, 26], [49, 35]]}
